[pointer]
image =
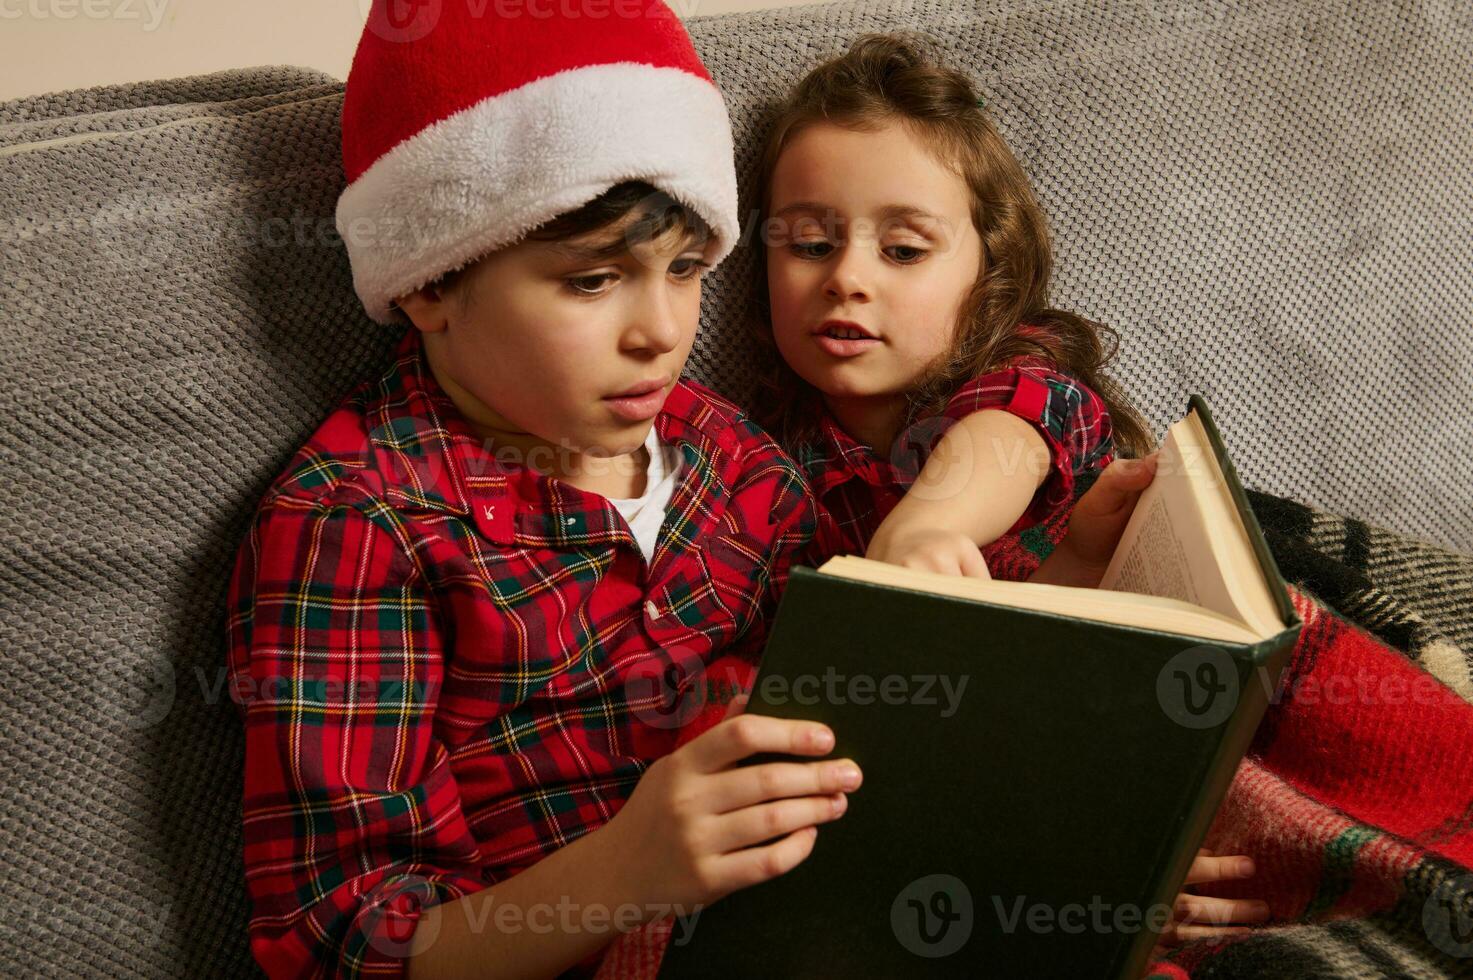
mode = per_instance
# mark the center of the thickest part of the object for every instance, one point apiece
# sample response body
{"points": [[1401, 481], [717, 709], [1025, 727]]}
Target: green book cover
{"points": [[1036, 785]]}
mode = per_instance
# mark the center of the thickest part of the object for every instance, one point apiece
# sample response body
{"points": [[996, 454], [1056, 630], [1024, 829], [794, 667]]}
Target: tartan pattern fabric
{"points": [[858, 487], [446, 664], [1357, 806]]}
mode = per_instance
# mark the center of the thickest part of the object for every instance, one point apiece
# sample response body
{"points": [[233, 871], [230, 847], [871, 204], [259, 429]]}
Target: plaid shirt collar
{"points": [[837, 458], [433, 459]]}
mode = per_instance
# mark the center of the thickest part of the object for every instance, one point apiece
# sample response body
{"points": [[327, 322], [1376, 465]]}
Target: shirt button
{"points": [[650, 609]]}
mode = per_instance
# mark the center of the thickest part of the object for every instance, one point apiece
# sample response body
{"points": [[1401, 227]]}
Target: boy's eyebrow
{"points": [[599, 250], [590, 251]]}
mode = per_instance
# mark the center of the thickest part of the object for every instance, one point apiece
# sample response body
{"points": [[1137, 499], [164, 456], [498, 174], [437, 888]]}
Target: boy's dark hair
{"points": [[657, 213]]}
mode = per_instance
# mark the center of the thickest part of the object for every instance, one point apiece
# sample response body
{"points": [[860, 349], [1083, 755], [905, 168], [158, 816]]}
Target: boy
{"points": [[448, 614], [449, 607]]}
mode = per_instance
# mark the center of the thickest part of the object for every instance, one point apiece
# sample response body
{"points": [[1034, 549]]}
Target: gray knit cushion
{"points": [[1270, 200]]}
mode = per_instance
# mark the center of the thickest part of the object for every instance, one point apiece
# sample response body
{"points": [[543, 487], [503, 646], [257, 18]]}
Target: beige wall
{"points": [[48, 45]]}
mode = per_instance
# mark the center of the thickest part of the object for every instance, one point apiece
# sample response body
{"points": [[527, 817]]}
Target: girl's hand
{"points": [[928, 549], [688, 834], [1202, 916], [1096, 523]]}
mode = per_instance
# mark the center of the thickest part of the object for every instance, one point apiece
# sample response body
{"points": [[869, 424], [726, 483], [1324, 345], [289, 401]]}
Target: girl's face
{"points": [[870, 251]]}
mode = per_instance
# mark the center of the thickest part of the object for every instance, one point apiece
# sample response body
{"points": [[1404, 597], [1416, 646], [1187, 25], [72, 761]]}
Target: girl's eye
{"points": [[687, 269], [590, 285], [810, 250], [906, 254]]}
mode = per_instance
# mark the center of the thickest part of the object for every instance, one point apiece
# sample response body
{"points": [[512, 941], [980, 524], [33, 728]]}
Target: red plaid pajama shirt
{"points": [[445, 664], [857, 487]]}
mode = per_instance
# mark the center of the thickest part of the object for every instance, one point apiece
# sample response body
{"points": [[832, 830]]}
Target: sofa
{"points": [[1270, 200]]}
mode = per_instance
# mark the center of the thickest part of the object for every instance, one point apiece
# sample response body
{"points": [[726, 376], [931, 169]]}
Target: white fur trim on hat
{"points": [[485, 176]]}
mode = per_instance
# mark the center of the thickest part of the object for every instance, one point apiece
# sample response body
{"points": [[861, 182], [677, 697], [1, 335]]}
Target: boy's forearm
{"points": [[535, 924]]}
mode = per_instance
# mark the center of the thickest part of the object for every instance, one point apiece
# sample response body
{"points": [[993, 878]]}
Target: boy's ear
{"points": [[425, 307]]}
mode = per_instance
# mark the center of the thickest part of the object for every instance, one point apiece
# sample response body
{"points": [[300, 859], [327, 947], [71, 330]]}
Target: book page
{"points": [[1121, 608], [1166, 549], [1155, 563]]}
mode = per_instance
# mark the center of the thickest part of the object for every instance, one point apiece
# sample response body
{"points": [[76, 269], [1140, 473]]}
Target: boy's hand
{"points": [[1202, 916], [1096, 523], [929, 549], [688, 833]]}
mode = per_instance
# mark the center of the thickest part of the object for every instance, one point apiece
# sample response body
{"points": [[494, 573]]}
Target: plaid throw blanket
{"points": [[1356, 797]]}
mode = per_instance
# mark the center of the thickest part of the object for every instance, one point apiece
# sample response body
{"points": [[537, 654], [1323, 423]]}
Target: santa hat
{"points": [[468, 123]]}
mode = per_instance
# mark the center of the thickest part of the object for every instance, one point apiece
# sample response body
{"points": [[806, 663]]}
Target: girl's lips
{"points": [[840, 347], [637, 408]]}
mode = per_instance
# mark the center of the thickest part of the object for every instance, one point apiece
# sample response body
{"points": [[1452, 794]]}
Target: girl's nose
{"points": [[847, 280]]}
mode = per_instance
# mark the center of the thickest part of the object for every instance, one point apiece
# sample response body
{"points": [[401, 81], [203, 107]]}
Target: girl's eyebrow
{"points": [[888, 212]]}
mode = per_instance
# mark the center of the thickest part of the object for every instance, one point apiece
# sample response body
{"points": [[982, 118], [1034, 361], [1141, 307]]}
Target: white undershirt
{"points": [[646, 512]]}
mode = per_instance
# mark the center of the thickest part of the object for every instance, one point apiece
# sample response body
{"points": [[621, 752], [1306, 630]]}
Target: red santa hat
{"points": [[468, 123]]}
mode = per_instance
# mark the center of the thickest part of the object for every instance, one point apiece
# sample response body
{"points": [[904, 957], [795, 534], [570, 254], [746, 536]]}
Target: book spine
{"points": [[1259, 668]]}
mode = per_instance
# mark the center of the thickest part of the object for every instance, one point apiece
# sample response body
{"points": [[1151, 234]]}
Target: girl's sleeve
{"points": [[1070, 416], [352, 818]]}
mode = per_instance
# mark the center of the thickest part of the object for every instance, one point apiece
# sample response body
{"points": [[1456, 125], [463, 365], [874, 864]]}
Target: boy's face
{"points": [[867, 228], [566, 348]]}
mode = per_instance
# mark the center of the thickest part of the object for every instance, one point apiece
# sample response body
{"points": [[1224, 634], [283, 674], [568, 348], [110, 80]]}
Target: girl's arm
{"points": [[975, 485]]}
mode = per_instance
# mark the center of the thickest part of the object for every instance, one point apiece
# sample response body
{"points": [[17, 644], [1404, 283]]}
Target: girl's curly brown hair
{"points": [[885, 78]]}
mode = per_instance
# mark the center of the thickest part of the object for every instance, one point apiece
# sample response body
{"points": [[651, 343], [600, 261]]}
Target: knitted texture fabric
{"points": [[1269, 200]]}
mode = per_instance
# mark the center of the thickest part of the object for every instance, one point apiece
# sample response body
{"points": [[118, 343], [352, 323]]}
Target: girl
{"points": [[906, 275]]}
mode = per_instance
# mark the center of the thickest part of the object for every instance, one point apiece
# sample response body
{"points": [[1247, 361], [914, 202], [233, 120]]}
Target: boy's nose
{"points": [[655, 327]]}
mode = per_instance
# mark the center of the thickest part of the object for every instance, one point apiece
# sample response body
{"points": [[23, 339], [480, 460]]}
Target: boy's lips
{"points": [[639, 402], [843, 338]]}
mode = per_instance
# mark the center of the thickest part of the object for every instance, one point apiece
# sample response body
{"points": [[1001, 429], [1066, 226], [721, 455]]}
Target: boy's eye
{"points": [[810, 250], [906, 254], [590, 285], [685, 269]]}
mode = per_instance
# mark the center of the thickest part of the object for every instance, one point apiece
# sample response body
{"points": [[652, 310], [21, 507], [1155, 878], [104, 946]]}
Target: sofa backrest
{"points": [[1270, 200]]}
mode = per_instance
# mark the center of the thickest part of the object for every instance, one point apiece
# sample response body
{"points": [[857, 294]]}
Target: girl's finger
{"points": [[973, 565], [1208, 867], [1186, 933], [1203, 909]]}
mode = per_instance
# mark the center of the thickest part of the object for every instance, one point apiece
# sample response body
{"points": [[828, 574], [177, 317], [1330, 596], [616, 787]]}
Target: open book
{"points": [[1031, 753], [1185, 563]]}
